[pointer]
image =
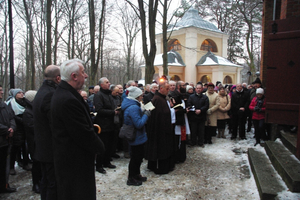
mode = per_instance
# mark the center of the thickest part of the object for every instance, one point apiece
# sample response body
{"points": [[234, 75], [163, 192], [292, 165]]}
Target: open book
{"points": [[149, 106], [178, 105]]}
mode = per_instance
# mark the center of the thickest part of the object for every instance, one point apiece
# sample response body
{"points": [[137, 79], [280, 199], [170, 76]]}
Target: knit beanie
{"points": [[134, 92], [259, 91], [30, 94], [16, 91], [188, 87]]}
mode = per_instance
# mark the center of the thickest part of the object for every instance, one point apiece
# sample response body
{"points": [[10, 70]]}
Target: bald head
{"points": [[52, 72]]}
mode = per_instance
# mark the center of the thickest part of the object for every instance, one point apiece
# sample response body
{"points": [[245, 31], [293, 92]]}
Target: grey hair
{"points": [[68, 67], [172, 82], [152, 85], [130, 82], [112, 87], [101, 80]]}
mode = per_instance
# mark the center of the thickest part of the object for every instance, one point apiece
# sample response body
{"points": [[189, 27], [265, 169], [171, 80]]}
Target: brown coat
{"points": [[224, 107], [214, 104]]}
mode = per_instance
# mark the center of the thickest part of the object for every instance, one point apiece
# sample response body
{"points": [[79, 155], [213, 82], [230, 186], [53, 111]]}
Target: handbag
{"points": [[127, 132]]}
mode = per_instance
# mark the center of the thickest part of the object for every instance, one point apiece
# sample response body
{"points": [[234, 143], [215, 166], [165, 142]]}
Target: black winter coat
{"points": [[200, 102], [75, 144], [148, 97], [19, 134], [105, 108], [238, 100], [29, 128], [178, 97], [159, 130], [6, 121], [41, 116]]}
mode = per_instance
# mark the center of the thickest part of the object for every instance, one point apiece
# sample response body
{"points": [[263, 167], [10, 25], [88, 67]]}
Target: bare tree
{"points": [[49, 26], [251, 14], [148, 55], [130, 28], [31, 48]]}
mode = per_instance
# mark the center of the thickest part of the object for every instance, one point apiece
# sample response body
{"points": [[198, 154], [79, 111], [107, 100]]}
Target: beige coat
{"points": [[224, 107], [211, 113]]}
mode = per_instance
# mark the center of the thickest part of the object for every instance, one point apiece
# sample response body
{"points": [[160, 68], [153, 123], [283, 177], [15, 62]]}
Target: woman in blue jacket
{"points": [[133, 115]]}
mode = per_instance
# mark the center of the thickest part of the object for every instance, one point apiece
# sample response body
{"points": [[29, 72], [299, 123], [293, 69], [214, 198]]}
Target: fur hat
{"points": [[134, 92], [259, 91], [188, 87], [30, 94]]}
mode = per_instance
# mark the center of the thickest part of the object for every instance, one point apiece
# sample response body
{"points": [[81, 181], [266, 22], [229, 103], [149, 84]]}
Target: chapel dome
{"points": [[191, 18]]}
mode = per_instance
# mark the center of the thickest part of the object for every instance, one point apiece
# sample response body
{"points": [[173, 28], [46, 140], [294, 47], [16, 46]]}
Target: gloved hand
{"points": [[256, 109], [147, 112], [208, 111]]}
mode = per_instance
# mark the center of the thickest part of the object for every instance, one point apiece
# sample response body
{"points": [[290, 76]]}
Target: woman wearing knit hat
{"points": [[134, 116], [28, 122], [258, 107], [18, 104]]}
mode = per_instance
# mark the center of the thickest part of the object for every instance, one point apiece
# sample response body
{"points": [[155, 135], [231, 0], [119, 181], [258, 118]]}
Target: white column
{"points": [[191, 55], [224, 45], [238, 75], [217, 74], [158, 44]]}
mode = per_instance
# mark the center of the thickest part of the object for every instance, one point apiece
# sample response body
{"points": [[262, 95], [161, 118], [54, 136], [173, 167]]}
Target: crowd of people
{"points": [[51, 132]]}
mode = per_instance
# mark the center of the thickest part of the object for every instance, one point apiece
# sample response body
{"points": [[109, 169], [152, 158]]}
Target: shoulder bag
{"points": [[127, 132]]}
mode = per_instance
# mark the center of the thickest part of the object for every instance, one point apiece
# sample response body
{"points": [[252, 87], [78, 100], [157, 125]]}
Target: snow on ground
{"points": [[218, 171]]}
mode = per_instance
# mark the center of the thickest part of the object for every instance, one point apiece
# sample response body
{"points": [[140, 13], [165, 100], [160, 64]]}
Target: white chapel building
{"points": [[197, 52]]}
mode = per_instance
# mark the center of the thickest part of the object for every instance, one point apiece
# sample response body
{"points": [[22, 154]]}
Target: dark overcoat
{"points": [[41, 115], [147, 98], [159, 130], [105, 108], [74, 143]]}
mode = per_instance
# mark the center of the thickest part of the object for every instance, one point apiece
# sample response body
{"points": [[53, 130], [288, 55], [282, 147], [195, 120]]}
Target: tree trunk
{"points": [[11, 47], [48, 54], [31, 46], [165, 40], [92, 40]]}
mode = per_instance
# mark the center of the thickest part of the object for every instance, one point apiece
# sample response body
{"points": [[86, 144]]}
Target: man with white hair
{"points": [[75, 142], [105, 108], [149, 96], [239, 108], [172, 86], [147, 89]]}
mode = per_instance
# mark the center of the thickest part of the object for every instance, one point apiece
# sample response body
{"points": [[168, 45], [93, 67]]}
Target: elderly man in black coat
{"points": [[105, 108], [239, 106], [160, 144], [75, 143], [42, 132]]}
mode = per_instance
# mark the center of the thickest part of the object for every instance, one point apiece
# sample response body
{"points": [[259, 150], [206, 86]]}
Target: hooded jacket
{"points": [[133, 115]]}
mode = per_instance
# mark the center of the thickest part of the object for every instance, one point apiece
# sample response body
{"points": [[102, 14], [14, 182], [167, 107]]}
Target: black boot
{"points": [[134, 182]]}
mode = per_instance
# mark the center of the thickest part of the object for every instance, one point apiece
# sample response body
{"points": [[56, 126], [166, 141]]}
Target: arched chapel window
{"points": [[205, 79], [209, 44], [175, 78], [174, 44], [227, 80]]}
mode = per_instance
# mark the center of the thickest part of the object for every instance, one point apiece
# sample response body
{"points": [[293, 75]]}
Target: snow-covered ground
{"points": [[218, 171]]}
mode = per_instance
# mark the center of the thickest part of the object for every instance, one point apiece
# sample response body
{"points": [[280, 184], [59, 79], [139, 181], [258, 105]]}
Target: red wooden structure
{"points": [[281, 62]]}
